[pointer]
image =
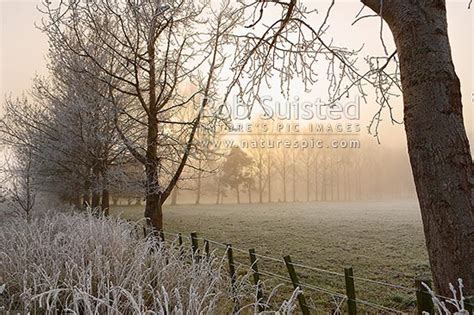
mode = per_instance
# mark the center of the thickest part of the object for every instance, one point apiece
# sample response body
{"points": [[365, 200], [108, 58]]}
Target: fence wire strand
{"points": [[395, 286], [305, 285]]}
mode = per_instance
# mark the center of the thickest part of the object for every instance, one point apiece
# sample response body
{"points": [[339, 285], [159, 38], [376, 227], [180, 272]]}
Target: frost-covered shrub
{"points": [[448, 306], [84, 264]]}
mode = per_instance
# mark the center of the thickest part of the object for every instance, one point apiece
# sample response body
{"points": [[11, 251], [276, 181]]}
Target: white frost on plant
{"points": [[81, 263], [456, 302]]}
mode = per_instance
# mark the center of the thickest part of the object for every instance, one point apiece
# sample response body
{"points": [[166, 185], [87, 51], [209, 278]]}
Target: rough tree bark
{"points": [[437, 143], [153, 205]]}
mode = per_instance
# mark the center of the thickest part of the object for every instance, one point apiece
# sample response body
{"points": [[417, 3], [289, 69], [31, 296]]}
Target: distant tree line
{"points": [[262, 175]]}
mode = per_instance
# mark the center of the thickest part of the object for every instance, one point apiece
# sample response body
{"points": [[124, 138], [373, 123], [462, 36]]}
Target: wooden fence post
{"points": [[233, 276], [350, 291], [296, 285], [206, 249], [180, 244], [194, 243], [180, 239], [424, 302], [256, 279], [230, 258]]}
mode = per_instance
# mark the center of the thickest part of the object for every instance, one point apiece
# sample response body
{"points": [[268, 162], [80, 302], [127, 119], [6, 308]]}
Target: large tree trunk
{"points": [[153, 202], [437, 143], [153, 209]]}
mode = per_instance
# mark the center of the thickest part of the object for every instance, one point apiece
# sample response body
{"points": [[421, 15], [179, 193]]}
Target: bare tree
{"points": [[152, 50], [20, 133], [238, 171], [20, 183], [69, 131]]}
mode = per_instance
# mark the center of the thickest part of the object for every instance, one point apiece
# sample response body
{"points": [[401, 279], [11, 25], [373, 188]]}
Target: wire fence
{"points": [[421, 294]]}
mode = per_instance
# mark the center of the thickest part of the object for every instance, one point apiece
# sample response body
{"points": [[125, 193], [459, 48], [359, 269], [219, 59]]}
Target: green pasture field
{"points": [[382, 241]]}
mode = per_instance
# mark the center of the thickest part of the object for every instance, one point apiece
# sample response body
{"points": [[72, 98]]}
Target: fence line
{"points": [[275, 275], [280, 260], [317, 269], [395, 286], [289, 280], [300, 265]]}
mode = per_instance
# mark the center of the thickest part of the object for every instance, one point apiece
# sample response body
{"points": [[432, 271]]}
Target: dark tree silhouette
{"points": [[237, 170]]}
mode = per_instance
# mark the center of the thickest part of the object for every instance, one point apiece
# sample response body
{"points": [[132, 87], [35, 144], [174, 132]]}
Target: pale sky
{"points": [[23, 47]]}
